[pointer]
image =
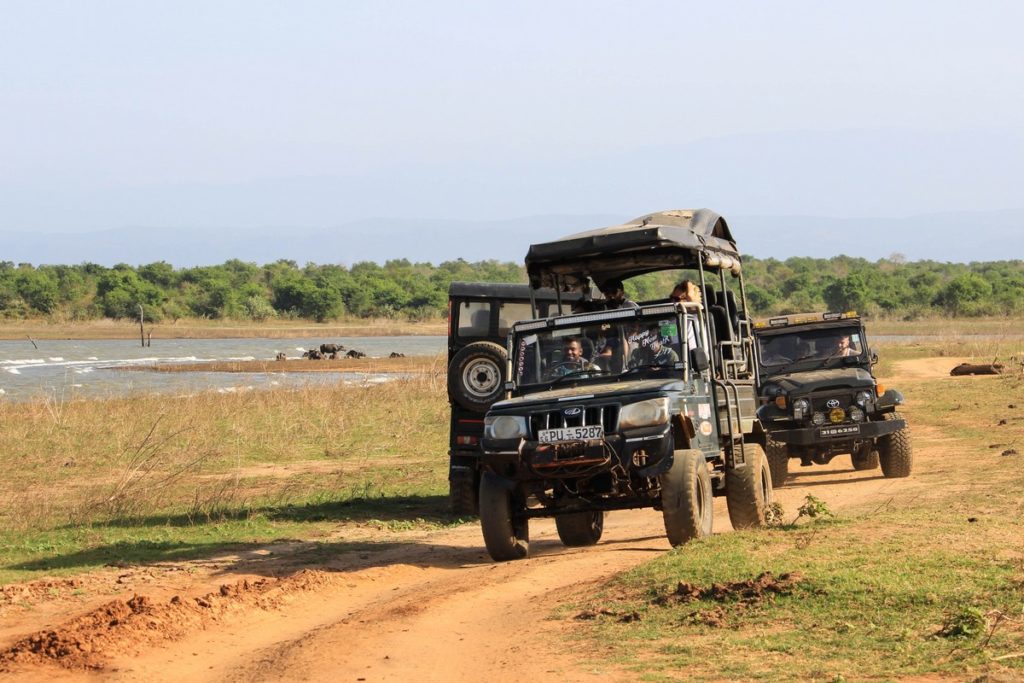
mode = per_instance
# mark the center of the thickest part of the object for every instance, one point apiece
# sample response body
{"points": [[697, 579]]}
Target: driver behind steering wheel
{"points": [[572, 360]]}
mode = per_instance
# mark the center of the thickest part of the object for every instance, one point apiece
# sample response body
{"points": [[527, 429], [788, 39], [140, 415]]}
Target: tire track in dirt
{"points": [[431, 606]]}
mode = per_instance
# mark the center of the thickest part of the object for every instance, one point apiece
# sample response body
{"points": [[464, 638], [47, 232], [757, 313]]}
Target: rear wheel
{"points": [[686, 498], [778, 460], [505, 538], [895, 453], [580, 528], [748, 489], [462, 495]]}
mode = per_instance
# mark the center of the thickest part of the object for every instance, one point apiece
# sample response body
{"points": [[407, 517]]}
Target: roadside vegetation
{"points": [[243, 295], [929, 582], [154, 478]]}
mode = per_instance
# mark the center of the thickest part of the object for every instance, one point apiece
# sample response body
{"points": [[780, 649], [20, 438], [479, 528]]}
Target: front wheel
{"points": [[894, 451], [506, 538], [748, 490], [580, 528], [686, 498], [865, 458]]}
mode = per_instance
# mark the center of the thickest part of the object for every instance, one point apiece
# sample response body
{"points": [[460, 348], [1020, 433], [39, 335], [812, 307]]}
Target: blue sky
{"points": [[312, 114]]}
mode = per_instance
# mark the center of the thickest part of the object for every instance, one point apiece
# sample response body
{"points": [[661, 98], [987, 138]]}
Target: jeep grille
{"points": [[606, 415]]}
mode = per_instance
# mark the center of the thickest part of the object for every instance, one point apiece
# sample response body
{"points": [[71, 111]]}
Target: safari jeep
{"points": [[611, 409], [479, 317], [819, 398]]}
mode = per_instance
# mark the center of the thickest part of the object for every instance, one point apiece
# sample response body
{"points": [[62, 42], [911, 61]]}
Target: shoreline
{"points": [[405, 365]]}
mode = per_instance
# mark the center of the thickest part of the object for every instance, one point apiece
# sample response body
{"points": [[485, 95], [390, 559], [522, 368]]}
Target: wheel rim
{"points": [[481, 378]]}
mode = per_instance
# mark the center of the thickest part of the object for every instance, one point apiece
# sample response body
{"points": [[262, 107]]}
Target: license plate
{"points": [[571, 434], [845, 430]]}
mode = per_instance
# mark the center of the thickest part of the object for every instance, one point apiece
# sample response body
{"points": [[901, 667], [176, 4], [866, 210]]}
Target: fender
{"points": [[890, 399]]}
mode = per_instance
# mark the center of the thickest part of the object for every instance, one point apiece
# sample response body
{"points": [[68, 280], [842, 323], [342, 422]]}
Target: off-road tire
{"points": [[580, 528], [895, 453], [748, 489], [462, 497], [686, 498], [862, 463], [476, 375], [505, 538], [777, 453]]}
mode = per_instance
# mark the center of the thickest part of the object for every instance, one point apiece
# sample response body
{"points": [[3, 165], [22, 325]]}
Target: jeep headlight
{"points": [[801, 407], [862, 398], [505, 427], [644, 413]]}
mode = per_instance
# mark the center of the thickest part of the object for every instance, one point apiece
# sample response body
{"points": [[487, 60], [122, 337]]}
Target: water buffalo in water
{"points": [[313, 354], [328, 349], [396, 354], [281, 356], [355, 354]]}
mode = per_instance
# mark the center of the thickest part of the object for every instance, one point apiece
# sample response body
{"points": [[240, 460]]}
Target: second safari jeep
{"points": [[820, 398]]}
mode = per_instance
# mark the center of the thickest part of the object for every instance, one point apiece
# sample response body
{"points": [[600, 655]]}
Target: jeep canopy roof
{"points": [[656, 241]]}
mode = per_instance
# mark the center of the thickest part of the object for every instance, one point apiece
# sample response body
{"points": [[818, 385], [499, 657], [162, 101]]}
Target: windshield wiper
{"points": [[574, 373], [645, 366]]}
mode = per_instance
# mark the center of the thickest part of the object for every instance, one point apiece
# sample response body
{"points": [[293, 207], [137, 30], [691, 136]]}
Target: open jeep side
{"points": [[618, 408], [480, 315], [819, 398]]}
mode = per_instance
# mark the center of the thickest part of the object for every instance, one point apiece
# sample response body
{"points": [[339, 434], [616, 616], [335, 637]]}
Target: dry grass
{"points": [[216, 329], [87, 462]]}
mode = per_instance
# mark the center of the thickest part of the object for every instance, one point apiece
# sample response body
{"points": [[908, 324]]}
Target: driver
{"points": [[572, 360], [843, 347]]}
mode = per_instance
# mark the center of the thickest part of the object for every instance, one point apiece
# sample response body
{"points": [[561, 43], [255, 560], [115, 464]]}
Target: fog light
{"points": [[818, 419], [856, 414], [837, 415]]}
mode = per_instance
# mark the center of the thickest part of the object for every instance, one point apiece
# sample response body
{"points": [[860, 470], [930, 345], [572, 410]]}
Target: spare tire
{"points": [[476, 376]]}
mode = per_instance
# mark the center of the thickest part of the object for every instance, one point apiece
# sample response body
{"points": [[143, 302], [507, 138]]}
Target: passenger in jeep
{"points": [[651, 350], [843, 347]]}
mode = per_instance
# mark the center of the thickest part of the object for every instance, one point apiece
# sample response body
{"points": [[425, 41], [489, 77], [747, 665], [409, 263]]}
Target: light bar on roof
{"points": [[660, 310], [535, 325], [600, 315]]}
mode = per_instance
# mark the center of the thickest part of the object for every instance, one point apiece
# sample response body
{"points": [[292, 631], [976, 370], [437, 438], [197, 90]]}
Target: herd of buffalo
{"points": [[334, 352]]}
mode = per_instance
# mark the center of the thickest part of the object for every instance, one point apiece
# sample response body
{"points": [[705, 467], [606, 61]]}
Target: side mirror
{"points": [[699, 359], [874, 358]]}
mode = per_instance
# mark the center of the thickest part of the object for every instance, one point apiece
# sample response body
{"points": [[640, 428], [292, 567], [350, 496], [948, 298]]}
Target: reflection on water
{"points": [[65, 369]]}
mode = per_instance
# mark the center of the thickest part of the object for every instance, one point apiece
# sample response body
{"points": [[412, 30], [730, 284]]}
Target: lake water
{"points": [[65, 369]]}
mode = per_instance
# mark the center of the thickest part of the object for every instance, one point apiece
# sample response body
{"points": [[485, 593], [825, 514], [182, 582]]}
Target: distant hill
{"points": [[953, 236]]}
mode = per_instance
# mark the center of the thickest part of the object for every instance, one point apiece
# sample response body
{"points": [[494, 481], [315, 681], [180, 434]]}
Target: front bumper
{"points": [[832, 434]]}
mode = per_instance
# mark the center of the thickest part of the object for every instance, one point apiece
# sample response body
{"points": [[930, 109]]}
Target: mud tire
{"points": [[577, 529], [748, 490], [862, 463], [686, 498], [506, 539], [476, 375], [895, 453], [777, 453], [462, 497]]}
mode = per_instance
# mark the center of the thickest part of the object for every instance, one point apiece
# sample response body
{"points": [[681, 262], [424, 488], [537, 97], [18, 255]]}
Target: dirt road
{"points": [[413, 606]]}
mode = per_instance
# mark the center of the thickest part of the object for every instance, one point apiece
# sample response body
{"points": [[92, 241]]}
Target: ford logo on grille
{"points": [[833, 403], [572, 412]]}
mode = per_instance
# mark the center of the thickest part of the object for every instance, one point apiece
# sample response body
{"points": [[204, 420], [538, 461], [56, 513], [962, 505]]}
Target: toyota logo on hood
{"points": [[572, 412], [833, 403]]}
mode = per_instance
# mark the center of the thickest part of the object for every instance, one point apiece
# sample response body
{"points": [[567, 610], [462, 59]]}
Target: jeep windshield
{"points": [[809, 347], [617, 343]]}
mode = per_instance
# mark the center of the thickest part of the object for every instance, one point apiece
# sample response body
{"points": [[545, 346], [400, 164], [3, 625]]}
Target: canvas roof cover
{"points": [[656, 241]]}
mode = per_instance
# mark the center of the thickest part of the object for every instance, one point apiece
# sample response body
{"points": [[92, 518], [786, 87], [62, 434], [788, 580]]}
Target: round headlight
{"points": [[507, 427], [801, 405], [856, 414], [863, 398], [818, 419]]}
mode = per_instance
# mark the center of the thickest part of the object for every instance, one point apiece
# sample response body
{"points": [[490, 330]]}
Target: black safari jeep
{"points": [[819, 398], [611, 408], [479, 317]]}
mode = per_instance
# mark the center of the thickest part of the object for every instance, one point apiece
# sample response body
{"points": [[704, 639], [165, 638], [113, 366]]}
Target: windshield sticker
{"points": [[704, 411], [705, 428]]}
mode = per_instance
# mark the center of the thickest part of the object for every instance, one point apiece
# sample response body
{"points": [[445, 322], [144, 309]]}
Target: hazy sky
{"points": [[214, 113]]}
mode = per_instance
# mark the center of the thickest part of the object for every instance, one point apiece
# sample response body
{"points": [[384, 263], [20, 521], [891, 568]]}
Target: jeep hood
{"points": [[591, 391], [815, 380]]}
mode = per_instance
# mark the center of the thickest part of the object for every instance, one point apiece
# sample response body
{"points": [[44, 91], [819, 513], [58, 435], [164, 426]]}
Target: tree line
{"points": [[401, 289]]}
